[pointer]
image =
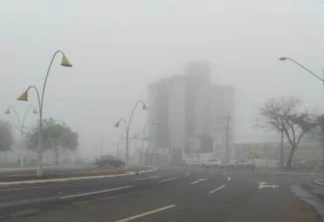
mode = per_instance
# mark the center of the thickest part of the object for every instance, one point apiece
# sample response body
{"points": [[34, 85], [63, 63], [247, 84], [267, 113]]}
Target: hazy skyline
{"points": [[118, 47]]}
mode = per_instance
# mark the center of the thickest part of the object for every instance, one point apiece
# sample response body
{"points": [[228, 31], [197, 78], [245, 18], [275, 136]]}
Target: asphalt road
{"points": [[169, 194]]}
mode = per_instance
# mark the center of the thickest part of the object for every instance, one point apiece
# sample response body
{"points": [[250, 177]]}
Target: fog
{"points": [[118, 47]]}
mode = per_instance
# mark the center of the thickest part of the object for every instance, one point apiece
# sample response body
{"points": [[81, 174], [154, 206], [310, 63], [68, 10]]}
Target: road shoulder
{"points": [[312, 195]]}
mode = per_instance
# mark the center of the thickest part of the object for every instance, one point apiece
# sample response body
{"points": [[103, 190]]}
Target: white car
{"points": [[241, 164], [215, 162]]}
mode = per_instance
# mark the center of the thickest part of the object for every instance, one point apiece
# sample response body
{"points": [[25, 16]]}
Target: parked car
{"points": [[215, 162], [109, 161], [241, 164]]}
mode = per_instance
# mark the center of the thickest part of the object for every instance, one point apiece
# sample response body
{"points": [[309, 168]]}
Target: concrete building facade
{"points": [[189, 115]]}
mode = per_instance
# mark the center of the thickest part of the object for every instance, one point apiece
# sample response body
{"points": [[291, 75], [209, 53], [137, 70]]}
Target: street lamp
{"points": [[310, 72], [303, 67], [40, 100], [127, 127], [21, 123]]}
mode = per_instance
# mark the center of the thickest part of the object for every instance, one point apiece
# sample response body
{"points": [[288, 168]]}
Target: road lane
{"points": [[35, 191], [95, 192], [35, 196], [239, 200]]}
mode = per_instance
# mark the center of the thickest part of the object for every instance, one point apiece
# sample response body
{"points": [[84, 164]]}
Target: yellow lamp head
{"points": [[144, 107], [117, 124], [23, 96], [65, 62]]}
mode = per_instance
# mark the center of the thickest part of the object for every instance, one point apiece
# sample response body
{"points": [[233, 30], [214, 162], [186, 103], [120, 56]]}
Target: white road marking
{"points": [[147, 213], [265, 185], [217, 189], [292, 173], [167, 180], [94, 192], [229, 178], [198, 181]]}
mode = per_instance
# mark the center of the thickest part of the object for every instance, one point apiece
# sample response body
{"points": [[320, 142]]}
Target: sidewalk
{"points": [[312, 194]]}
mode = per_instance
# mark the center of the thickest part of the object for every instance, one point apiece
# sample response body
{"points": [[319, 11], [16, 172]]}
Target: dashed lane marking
{"points": [[198, 181], [148, 178], [217, 189], [168, 179]]}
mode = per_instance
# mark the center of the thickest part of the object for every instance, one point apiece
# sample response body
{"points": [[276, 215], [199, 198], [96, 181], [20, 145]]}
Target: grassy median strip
{"points": [[62, 178]]}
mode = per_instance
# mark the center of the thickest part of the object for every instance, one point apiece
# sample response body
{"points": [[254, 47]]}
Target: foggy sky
{"points": [[118, 47]]}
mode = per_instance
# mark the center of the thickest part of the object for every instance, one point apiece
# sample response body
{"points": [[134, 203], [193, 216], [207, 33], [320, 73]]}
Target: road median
{"points": [[94, 174]]}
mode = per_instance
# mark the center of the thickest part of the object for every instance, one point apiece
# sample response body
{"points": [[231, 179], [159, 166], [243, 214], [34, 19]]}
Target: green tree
{"points": [[57, 137], [6, 136], [285, 114]]}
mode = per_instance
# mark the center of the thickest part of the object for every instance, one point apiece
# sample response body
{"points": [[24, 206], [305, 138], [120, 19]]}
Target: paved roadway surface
{"points": [[169, 194]]}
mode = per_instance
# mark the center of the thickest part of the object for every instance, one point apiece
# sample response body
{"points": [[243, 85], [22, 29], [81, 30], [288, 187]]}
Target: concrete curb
{"points": [[317, 182], [60, 180]]}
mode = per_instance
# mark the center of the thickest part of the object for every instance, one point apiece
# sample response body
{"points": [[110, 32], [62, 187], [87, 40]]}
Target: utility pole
{"points": [[101, 144], [228, 119], [323, 163], [281, 148]]}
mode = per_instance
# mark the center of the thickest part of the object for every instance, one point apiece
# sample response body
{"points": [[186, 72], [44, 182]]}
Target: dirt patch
{"points": [[299, 211]]}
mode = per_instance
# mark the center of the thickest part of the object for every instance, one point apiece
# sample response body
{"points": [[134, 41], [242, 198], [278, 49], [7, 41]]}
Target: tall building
{"points": [[189, 115]]}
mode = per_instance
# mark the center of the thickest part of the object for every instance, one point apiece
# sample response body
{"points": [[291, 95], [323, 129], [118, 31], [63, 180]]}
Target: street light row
{"points": [[127, 125], [40, 101]]}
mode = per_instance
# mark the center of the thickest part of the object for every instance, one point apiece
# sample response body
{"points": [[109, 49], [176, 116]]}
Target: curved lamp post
{"points": [[303, 67], [40, 100], [127, 127], [21, 122]]}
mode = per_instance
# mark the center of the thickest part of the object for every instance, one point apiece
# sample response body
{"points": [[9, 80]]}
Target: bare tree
{"points": [[285, 115]]}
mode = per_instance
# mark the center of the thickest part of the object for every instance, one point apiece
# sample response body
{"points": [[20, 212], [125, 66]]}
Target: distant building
{"points": [[268, 154], [188, 115]]}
